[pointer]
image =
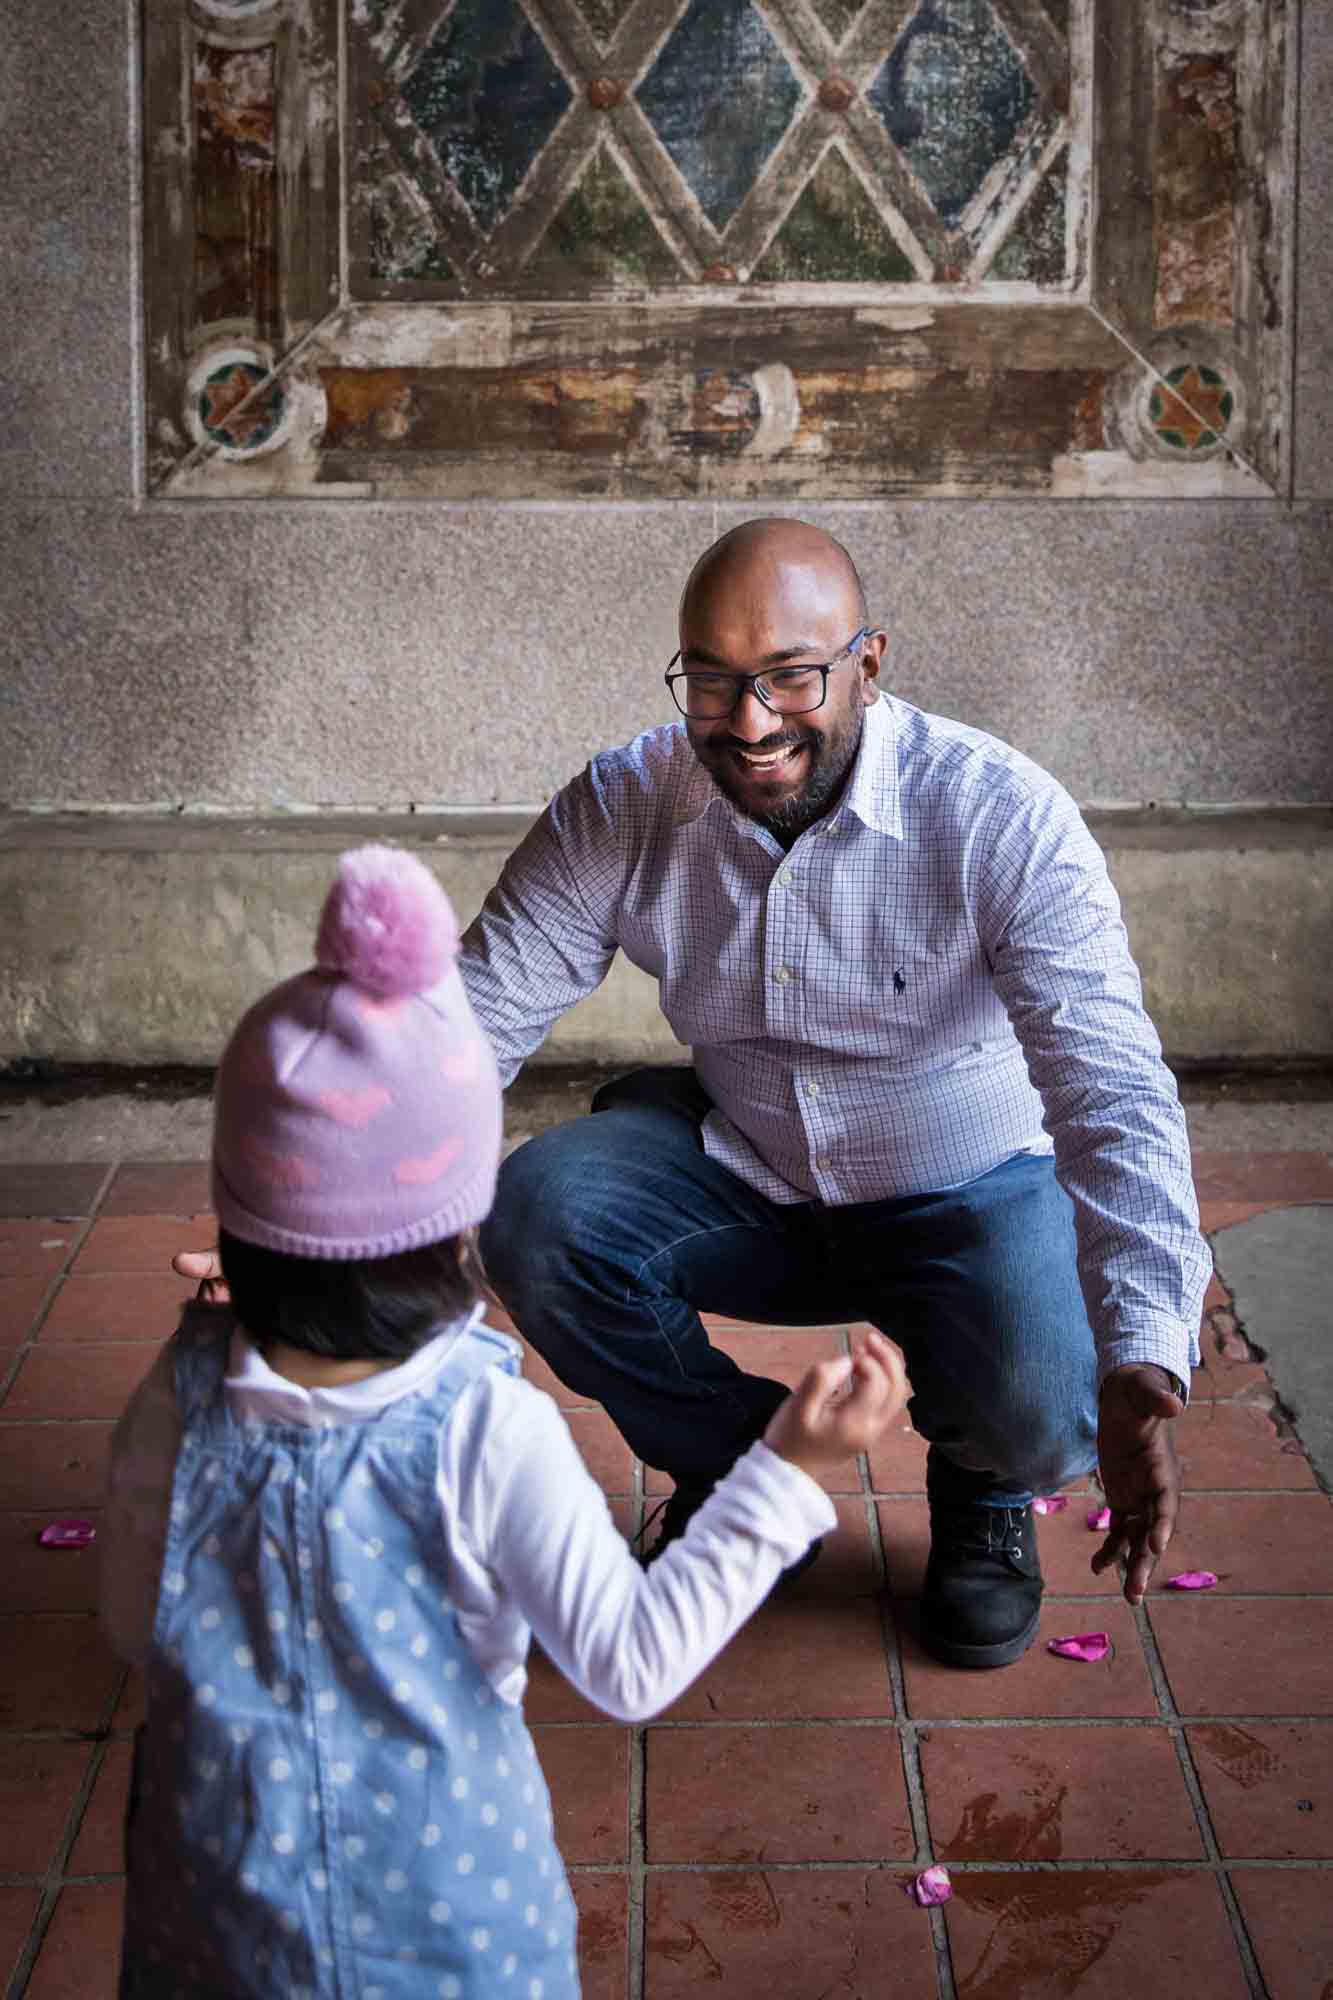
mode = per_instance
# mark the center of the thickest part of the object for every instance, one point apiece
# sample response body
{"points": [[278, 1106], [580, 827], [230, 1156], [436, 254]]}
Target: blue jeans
{"points": [[612, 1233]]}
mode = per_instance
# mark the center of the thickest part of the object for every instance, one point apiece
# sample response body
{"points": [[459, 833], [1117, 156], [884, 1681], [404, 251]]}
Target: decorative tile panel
{"points": [[719, 97], [833, 231], [1037, 247], [803, 249], [955, 96], [486, 96]]}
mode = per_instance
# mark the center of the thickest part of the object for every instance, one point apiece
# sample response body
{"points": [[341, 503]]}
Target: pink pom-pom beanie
{"points": [[357, 1111]]}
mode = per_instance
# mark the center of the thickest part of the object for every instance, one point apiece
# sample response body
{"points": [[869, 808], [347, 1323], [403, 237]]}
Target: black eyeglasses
{"points": [[705, 694]]}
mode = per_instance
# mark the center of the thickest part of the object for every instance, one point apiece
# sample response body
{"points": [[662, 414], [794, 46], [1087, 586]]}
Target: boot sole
{"points": [[1002, 1653]]}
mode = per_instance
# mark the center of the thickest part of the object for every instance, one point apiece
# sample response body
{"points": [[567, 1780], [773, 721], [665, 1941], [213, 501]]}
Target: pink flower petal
{"points": [[1099, 1519], [1090, 1646], [67, 1535], [933, 1886], [1193, 1579], [1049, 1503]]}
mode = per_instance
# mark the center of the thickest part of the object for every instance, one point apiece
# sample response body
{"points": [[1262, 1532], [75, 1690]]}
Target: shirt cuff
{"points": [[1172, 1347], [772, 1499]]}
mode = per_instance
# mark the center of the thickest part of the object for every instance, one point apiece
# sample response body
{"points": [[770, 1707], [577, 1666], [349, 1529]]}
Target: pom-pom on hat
{"points": [[357, 1111]]}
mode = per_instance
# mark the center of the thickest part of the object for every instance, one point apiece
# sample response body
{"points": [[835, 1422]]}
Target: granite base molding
{"points": [[138, 940]]}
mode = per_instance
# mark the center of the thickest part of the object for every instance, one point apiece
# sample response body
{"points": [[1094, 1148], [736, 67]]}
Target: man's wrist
{"points": [[1171, 1381]]}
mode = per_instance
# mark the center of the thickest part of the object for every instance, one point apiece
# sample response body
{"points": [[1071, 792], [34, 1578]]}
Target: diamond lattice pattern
{"points": [[573, 148]]}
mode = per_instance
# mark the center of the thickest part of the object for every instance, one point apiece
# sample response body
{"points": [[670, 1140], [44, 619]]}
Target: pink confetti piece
{"points": [[1099, 1519], [67, 1535], [1050, 1503], [930, 1888], [1089, 1646], [1193, 1579]]}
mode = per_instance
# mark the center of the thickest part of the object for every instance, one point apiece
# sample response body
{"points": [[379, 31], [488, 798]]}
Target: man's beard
{"points": [[831, 754]]}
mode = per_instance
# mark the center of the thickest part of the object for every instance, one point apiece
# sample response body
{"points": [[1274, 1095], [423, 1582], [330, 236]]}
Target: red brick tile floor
{"points": [[1160, 1822]]}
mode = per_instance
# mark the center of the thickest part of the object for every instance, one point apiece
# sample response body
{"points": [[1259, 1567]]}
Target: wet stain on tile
{"points": [[1238, 1754], [1048, 1934], [991, 1827]]}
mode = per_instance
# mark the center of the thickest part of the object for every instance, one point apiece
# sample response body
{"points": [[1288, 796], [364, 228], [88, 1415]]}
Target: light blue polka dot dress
{"points": [[329, 1802]]}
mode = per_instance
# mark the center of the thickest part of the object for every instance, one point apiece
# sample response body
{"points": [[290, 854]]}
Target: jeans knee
{"points": [[530, 1209], [1045, 1456], [555, 1204]]}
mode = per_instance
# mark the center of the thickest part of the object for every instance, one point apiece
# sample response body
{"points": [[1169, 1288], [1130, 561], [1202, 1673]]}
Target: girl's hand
{"points": [[841, 1407]]}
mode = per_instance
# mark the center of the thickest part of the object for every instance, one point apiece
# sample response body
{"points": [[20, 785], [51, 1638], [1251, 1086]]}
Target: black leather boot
{"points": [[675, 1514], [982, 1597]]}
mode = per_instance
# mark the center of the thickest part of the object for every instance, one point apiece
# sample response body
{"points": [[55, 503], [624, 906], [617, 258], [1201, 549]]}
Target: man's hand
{"points": [[205, 1266], [840, 1407], [1139, 1471]]}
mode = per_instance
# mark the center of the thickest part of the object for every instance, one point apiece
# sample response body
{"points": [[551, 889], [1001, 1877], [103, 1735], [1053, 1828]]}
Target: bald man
{"points": [[922, 1091]]}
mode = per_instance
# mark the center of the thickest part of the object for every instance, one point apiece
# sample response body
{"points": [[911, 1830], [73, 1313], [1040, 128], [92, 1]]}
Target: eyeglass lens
{"points": [[788, 691]]}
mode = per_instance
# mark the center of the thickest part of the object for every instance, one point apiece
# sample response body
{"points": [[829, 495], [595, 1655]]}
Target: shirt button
{"points": [[812, 1090], [782, 975], [784, 877], [823, 1162]]}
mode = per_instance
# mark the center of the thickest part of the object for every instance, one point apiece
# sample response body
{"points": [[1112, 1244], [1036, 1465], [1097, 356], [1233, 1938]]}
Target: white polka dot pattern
{"points": [[336, 1696]]}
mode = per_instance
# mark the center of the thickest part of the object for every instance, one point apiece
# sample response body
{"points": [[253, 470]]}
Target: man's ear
{"points": [[872, 655]]}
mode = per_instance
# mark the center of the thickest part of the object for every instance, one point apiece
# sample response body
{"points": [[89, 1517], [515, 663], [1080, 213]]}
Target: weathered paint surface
{"points": [[235, 239], [884, 427], [562, 281], [1194, 191]]}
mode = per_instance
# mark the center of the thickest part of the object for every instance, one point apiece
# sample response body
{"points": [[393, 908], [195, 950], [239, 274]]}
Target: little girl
{"points": [[337, 1514]]}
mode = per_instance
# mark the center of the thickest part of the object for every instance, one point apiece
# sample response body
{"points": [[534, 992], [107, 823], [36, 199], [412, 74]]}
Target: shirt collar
{"points": [[872, 791]]}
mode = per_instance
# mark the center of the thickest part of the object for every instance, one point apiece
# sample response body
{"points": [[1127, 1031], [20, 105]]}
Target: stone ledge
{"points": [[139, 939]]}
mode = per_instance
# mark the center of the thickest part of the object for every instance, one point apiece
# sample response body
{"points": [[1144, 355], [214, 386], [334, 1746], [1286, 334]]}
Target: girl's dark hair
{"points": [[378, 1309]]}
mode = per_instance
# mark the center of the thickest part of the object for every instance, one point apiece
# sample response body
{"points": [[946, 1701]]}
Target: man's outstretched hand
{"points": [[205, 1267], [1140, 1473]]}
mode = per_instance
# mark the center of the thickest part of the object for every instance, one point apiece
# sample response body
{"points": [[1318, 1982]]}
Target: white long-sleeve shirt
{"points": [[527, 1542], [933, 979]]}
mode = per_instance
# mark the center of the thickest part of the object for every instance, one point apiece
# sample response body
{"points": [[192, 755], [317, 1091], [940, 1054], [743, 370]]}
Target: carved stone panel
{"points": [[813, 249]]}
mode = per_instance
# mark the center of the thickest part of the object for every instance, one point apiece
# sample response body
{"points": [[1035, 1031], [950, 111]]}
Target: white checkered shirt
{"points": [[885, 1010]]}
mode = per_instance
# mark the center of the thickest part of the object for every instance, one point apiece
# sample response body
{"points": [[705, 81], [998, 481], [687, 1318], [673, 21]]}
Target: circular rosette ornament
{"points": [[1187, 406], [234, 406], [1191, 409]]}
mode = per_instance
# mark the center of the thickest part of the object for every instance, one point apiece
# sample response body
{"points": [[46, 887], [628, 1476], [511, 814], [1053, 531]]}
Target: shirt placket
{"points": [[789, 1002]]}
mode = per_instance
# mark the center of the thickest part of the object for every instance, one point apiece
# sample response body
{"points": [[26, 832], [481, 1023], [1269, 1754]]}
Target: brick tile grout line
{"points": [[700, 1724], [9, 1375], [908, 1747], [1212, 1847], [1092, 1865], [56, 1878], [53, 1881], [635, 1807]]}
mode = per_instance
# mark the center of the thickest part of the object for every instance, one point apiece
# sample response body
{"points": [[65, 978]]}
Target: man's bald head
{"points": [[773, 556], [778, 600]]}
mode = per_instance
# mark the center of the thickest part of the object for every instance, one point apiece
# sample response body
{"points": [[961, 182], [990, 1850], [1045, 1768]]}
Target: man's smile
{"points": [[770, 763]]}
